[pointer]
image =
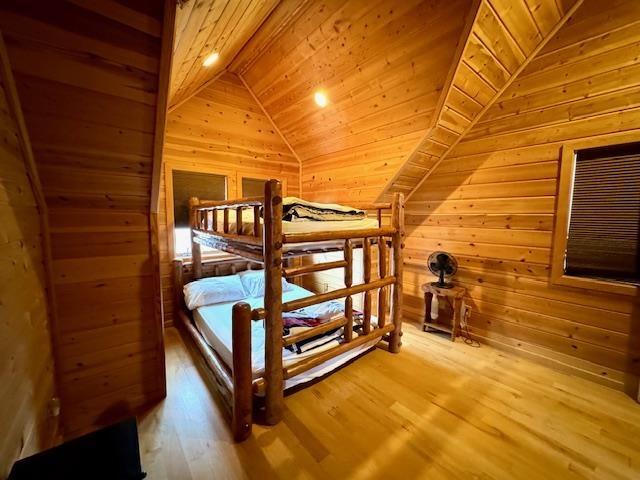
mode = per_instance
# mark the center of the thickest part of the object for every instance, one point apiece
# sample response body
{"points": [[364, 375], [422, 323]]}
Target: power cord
{"points": [[464, 329]]}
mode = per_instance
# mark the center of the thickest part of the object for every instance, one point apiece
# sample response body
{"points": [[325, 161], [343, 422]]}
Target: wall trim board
{"points": [[166, 60], [284, 139], [499, 93], [166, 57]]}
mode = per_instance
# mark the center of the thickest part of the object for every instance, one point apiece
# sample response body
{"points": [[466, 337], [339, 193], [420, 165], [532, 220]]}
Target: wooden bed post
{"points": [[348, 281], [242, 374], [196, 255], [272, 250], [178, 284], [397, 219]]}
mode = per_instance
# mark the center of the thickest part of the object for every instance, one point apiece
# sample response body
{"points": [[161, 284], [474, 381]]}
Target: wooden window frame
{"points": [[168, 181], [562, 217]]}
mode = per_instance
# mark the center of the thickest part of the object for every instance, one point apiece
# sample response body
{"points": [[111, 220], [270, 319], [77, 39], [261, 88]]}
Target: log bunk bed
{"points": [[262, 241]]}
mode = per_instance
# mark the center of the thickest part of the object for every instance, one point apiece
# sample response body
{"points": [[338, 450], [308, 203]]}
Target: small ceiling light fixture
{"points": [[321, 99], [211, 59]]}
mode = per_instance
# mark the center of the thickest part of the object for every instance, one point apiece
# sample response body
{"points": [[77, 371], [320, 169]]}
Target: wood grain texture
{"points": [[477, 412], [87, 75], [381, 65], [492, 202], [503, 37], [27, 372], [207, 26], [220, 130]]}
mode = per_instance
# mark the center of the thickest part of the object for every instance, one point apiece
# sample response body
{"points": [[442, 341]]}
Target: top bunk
{"points": [[248, 227]]}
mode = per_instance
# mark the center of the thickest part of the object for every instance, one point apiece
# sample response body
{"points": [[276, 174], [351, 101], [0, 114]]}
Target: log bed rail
{"points": [[260, 239]]}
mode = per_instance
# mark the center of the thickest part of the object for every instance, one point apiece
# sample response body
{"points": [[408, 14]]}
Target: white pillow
{"points": [[208, 291], [253, 282]]}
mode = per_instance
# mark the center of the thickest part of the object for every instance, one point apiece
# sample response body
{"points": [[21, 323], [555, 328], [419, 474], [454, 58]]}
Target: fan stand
{"points": [[441, 283]]}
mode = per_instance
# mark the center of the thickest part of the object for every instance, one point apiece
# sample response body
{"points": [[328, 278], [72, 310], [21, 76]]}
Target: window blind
{"points": [[253, 187], [206, 186], [604, 225]]}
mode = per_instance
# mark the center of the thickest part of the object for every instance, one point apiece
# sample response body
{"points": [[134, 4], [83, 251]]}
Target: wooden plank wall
{"points": [[26, 372], [491, 203], [221, 129], [382, 65], [87, 75], [502, 38]]}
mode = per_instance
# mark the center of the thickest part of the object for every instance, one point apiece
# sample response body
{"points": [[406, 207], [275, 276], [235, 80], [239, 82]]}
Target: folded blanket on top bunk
{"points": [[295, 209]]}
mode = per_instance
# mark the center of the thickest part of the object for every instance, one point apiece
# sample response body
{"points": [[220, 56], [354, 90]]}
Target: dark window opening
{"points": [[206, 186], [253, 187], [604, 227]]}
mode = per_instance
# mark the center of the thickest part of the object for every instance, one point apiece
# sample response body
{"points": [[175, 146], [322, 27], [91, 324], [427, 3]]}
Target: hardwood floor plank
{"points": [[437, 410]]}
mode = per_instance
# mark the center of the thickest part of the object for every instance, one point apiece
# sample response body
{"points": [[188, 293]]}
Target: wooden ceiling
{"points": [[503, 36], [405, 80], [207, 26], [382, 65]]}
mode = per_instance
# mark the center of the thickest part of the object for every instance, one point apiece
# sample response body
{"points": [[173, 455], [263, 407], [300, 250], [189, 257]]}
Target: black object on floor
{"points": [[111, 453]]}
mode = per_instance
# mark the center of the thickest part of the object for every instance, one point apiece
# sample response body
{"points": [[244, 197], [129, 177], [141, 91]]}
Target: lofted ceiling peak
{"points": [[502, 37], [381, 65]]}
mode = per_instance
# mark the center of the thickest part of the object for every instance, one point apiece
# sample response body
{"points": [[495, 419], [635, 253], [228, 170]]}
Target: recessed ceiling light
{"points": [[211, 59], [321, 99]]}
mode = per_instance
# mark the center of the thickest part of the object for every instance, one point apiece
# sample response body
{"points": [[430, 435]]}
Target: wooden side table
{"points": [[455, 297]]}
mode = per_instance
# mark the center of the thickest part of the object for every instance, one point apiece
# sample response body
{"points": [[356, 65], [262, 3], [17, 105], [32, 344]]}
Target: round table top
{"points": [[454, 291]]}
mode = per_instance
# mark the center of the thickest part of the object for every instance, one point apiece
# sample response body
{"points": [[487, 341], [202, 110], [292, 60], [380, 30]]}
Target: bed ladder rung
{"points": [[312, 268]]}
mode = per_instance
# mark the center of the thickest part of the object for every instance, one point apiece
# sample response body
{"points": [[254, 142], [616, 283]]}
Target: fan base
{"points": [[442, 285]]}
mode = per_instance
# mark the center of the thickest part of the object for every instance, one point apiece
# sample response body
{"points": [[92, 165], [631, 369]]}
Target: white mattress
{"points": [[298, 226], [214, 323]]}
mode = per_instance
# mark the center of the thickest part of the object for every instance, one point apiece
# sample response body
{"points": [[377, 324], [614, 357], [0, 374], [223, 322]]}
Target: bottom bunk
{"points": [[214, 323], [208, 310]]}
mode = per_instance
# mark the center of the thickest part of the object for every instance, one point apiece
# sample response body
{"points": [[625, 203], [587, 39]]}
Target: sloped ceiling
{"points": [[405, 80], [207, 26], [504, 36], [382, 65]]}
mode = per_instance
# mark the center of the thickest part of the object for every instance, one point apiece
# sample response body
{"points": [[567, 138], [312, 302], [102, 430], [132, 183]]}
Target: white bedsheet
{"points": [[214, 323]]}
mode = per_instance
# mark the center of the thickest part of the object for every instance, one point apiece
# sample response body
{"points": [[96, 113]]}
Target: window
{"points": [[253, 187], [186, 185], [598, 219]]}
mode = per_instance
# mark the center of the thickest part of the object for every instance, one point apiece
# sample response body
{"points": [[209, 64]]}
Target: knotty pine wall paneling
{"points": [[87, 75], [503, 36], [223, 130], [492, 201], [26, 363], [382, 65]]}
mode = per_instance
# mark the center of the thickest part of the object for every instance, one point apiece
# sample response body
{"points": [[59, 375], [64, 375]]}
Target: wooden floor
{"points": [[436, 410]]}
